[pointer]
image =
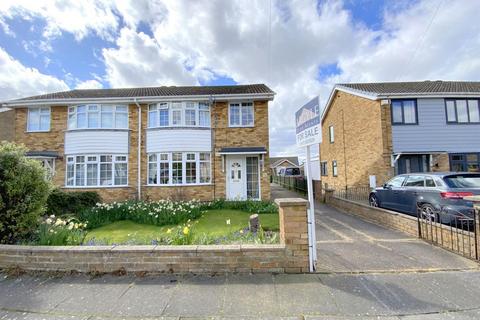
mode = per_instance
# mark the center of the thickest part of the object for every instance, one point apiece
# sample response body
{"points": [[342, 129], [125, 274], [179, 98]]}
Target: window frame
{"points": [[98, 163], [184, 162], [324, 168], [73, 110], [454, 100], [39, 108], [402, 123], [334, 168], [240, 104], [183, 108]]}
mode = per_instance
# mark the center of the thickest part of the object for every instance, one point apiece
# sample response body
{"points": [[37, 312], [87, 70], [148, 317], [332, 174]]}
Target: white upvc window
{"points": [[93, 116], [179, 114], [96, 170], [38, 119], [179, 168], [241, 114]]}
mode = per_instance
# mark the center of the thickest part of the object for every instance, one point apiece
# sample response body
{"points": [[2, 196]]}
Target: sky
{"points": [[299, 48]]}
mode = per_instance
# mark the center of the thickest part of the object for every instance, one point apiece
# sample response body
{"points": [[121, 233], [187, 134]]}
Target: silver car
{"points": [[439, 196]]}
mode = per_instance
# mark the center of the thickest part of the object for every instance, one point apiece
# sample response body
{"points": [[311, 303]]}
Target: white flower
{"points": [[70, 226], [52, 216], [48, 221], [228, 221]]}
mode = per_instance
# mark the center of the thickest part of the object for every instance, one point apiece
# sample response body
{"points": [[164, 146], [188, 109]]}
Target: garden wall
{"points": [[290, 256]]}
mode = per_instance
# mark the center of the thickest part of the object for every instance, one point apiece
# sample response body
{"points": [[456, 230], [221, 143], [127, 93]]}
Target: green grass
{"points": [[213, 223]]}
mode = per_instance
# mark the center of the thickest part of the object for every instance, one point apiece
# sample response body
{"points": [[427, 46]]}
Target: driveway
{"points": [[347, 244]]}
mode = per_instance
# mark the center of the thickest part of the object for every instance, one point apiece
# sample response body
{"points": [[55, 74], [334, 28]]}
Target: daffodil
{"points": [[186, 230], [169, 231], [228, 221]]}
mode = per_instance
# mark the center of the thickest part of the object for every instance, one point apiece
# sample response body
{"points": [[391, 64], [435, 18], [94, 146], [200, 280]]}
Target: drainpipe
{"points": [[139, 154]]}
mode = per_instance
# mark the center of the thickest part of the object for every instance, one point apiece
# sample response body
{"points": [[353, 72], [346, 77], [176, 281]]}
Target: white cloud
{"points": [[18, 81], [89, 84]]}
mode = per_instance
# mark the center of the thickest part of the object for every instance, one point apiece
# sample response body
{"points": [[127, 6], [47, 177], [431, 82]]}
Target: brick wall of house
{"points": [[7, 125], [440, 162], [362, 145], [223, 137]]}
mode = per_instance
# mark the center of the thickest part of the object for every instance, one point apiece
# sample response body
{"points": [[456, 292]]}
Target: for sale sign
{"points": [[308, 124]]}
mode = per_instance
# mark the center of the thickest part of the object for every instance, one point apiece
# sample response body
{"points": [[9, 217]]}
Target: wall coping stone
{"points": [[291, 202]]}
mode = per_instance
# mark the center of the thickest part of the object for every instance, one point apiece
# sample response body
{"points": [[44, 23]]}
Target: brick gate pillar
{"points": [[294, 233]]}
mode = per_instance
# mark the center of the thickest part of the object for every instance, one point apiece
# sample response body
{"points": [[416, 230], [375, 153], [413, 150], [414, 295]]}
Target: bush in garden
{"points": [[23, 193], [159, 213], [55, 231], [60, 202], [251, 206]]}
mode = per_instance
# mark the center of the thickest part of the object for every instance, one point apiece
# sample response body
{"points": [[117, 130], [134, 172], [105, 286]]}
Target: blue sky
{"points": [[300, 48]]}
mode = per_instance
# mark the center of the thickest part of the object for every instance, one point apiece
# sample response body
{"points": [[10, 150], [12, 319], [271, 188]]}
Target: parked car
{"points": [[438, 195], [290, 172]]}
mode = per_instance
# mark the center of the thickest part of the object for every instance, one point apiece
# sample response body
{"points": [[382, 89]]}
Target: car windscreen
{"points": [[293, 171], [463, 181]]}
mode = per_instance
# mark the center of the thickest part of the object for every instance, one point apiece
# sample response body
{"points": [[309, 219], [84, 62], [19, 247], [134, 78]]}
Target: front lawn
{"points": [[210, 227]]}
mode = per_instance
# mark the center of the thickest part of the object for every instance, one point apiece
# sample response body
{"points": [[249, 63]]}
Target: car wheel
{"points": [[428, 212], [373, 200]]}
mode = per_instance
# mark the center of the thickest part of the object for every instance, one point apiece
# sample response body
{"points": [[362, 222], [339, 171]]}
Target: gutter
{"points": [[139, 154], [62, 102]]}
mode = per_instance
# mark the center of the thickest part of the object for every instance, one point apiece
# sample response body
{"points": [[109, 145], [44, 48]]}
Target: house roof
{"points": [[147, 93], [414, 88], [243, 150], [275, 161]]}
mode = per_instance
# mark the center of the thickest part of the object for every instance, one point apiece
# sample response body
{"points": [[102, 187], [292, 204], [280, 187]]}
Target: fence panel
{"points": [[298, 184]]}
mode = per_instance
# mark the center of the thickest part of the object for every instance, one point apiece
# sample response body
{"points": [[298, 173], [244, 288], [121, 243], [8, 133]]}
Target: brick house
{"points": [[278, 163], [202, 142], [384, 129], [7, 124]]}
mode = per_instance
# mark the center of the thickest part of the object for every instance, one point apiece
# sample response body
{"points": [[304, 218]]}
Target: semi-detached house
{"points": [[202, 142], [383, 129]]}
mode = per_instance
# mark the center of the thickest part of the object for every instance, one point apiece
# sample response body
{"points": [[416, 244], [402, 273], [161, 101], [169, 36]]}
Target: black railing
{"points": [[449, 228], [357, 193], [298, 184]]}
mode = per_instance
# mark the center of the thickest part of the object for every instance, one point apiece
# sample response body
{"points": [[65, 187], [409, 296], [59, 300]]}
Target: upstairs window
{"points": [[158, 115], [38, 119], [404, 112], [331, 134], [97, 117], [462, 110], [241, 114], [179, 114], [323, 168]]}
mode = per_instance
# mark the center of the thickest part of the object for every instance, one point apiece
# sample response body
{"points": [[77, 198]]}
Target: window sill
{"points": [[37, 131], [250, 126], [95, 187], [98, 129], [178, 185]]}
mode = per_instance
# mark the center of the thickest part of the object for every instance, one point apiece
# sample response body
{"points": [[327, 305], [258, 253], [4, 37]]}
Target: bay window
{"points": [[38, 119], [97, 117], [177, 168], [179, 114], [97, 170], [241, 114]]}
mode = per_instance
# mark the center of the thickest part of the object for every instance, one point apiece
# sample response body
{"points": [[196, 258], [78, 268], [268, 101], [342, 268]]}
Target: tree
{"points": [[24, 190]]}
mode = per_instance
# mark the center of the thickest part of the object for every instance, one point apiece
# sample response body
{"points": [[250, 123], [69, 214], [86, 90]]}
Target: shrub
{"points": [[57, 232], [159, 213], [23, 193], [60, 202], [251, 206]]}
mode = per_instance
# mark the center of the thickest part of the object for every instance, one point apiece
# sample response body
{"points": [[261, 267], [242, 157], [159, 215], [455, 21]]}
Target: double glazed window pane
{"points": [[38, 119], [92, 174], [451, 113], [106, 174], [247, 114], [190, 117], [404, 112], [462, 111], [409, 113], [473, 111], [397, 112], [163, 115], [120, 174], [235, 114], [121, 120]]}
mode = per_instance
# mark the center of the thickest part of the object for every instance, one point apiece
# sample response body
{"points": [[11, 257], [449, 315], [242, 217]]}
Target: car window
{"points": [[429, 183], [463, 181], [415, 181], [296, 171], [396, 182]]}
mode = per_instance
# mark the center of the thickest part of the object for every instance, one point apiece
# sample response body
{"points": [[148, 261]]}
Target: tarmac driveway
{"points": [[347, 244]]}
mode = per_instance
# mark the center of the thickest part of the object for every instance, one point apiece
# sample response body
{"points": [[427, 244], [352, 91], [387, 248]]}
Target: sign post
{"points": [[309, 132]]}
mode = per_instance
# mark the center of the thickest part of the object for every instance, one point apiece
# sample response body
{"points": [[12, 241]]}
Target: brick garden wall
{"points": [[290, 256]]}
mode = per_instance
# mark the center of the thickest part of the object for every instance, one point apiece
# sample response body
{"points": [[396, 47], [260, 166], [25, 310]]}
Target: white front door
{"points": [[236, 178]]}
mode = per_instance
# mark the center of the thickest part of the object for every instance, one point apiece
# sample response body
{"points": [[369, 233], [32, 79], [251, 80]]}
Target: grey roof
{"points": [[154, 92], [418, 87], [243, 149], [47, 154], [274, 161]]}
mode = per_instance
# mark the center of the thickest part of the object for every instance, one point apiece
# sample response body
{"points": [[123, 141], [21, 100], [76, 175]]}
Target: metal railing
{"points": [[449, 228], [359, 193], [298, 184]]}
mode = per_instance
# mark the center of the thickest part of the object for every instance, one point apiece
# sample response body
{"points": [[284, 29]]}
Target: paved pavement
{"points": [[369, 273], [346, 243]]}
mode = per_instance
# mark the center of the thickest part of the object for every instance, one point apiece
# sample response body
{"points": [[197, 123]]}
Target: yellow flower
{"points": [[169, 231], [241, 231], [186, 230], [228, 221]]}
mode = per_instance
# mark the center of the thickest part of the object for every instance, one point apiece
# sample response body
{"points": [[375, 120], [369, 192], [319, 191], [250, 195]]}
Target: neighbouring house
{"points": [[278, 163], [373, 131], [200, 142], [7, 124]]}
